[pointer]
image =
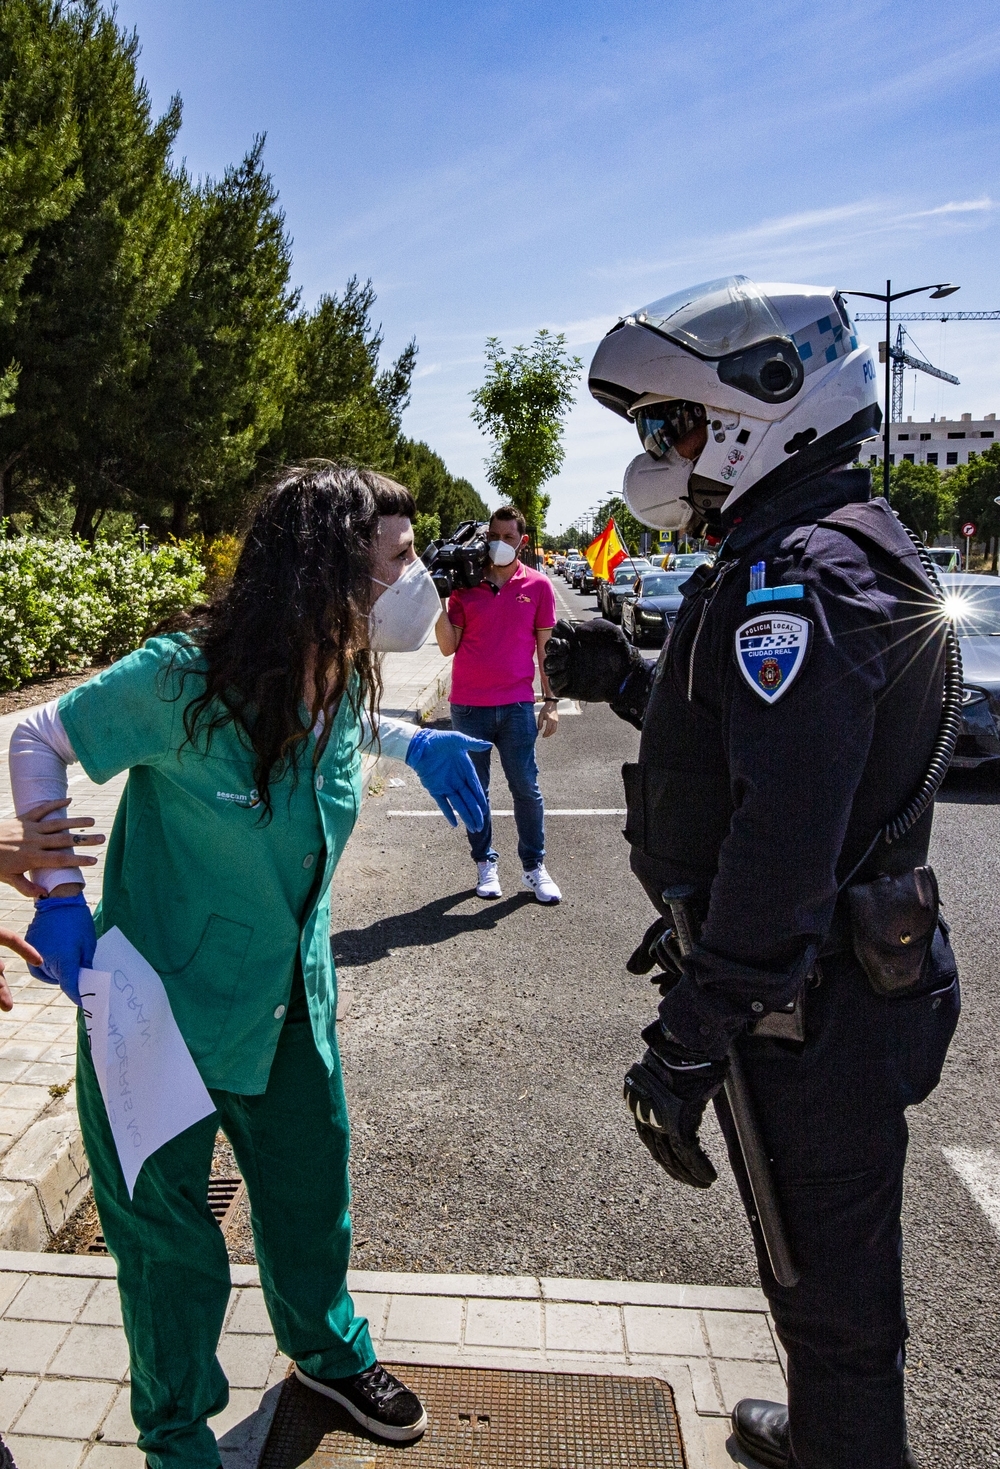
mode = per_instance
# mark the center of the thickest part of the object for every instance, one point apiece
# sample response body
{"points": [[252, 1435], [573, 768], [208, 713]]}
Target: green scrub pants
{"points": [[291, 1144]]}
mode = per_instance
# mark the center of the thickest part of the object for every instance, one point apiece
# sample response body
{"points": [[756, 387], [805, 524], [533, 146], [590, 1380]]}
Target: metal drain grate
{"points": [[484, 1419], [223, 1196]]}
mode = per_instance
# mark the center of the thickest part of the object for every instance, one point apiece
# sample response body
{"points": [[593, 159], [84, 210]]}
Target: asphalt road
{"points": [[484, 1048]]}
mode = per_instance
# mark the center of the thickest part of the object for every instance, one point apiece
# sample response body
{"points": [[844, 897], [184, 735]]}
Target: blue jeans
{"points": [[511, 727]]}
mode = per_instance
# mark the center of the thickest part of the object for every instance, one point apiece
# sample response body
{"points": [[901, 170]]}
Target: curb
{"points": [[429, 698], [44, 1176]]}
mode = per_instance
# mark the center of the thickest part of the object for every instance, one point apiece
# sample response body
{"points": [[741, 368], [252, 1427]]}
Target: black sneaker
{"points": [[376, 1399], [6, 1457]]}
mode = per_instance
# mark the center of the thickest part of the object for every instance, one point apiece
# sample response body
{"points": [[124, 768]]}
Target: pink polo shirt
{"points": [[495, 662]]}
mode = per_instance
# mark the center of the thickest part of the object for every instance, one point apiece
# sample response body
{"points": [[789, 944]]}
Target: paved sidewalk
{"points": [[413, 683], [43, 1170], [64, 1396]]}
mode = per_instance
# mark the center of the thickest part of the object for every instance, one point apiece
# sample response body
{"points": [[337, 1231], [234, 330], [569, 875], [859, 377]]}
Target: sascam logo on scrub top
{"points": [[239, 798], [770, 652]]}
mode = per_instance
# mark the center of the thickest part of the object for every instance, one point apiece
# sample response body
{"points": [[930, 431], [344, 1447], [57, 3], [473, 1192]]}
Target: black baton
{"points": [[740, 1105]]}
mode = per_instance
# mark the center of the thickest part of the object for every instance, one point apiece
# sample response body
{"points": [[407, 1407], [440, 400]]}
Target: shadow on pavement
{"points": [[431, 924], [971, 787]]}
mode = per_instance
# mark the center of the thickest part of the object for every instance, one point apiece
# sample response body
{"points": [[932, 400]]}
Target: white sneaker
{"points": [[542, 885], [488, 885]]}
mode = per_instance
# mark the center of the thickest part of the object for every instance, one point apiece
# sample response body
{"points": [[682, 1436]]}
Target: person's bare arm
{"points": [[548, 715], [448, 635]]}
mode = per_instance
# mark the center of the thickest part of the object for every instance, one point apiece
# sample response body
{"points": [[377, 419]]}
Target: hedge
{"points": [[65, 604]]}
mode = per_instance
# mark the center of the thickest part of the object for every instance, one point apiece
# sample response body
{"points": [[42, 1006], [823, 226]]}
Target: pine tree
{"points": [[99, 272], [341, 406]]}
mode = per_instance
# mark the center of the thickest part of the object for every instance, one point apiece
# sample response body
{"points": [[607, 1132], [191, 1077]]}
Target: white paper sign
{"points": [[151, 1087]]}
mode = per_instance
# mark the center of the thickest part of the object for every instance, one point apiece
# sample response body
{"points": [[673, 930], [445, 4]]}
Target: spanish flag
{"points": [[606, 552]]}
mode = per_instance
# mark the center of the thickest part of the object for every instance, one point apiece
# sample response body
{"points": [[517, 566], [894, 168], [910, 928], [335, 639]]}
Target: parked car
{"points": [[973, 603], [572, 562], [611, 594], [688, 560], [588, 581], [651, 606], [578, 571], [946, 558]]}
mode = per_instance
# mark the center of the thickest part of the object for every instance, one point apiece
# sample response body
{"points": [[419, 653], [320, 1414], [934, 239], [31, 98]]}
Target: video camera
{"points": [[459, 560]]}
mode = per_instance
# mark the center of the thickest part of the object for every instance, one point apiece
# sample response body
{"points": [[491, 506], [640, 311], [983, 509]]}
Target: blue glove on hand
{"points": [[62, 931], [440, 758]]}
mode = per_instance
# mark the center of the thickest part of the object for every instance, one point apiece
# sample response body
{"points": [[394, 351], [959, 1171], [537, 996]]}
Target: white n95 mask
{"points": [[501, 554], [403, 618], [656, 490]]}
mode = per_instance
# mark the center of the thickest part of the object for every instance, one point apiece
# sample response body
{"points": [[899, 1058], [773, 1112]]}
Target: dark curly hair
{"points": [[287, 638]]}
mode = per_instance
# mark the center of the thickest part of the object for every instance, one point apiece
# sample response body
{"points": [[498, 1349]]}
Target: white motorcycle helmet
{"points": [[772, 373]]}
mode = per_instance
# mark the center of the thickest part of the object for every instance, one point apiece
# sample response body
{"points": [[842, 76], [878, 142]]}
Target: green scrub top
{"points": [[218, 901]]}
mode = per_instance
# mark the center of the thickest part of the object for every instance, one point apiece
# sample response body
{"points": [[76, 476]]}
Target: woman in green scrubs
{"points": [[242, 734]]}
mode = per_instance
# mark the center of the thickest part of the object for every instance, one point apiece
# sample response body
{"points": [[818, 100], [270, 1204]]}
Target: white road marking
{"points": [[557, 811], [979, 1170]]}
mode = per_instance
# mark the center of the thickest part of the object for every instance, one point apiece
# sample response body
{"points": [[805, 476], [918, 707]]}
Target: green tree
{"points": [[921, 497], [522, 405], [99, 272], [340, 406], [221, 364], [439, 495], [975, 487], [39, 144]]}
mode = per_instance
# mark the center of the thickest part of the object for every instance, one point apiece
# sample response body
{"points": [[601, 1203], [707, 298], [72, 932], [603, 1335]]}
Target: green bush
{"points": [[65, 604]]}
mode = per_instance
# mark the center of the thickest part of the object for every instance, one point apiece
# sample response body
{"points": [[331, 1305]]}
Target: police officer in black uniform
{"points": [[799, 719]]}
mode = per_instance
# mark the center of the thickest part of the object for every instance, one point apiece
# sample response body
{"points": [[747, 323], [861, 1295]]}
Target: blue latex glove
{"points": [[440, 758], [62, 931]]}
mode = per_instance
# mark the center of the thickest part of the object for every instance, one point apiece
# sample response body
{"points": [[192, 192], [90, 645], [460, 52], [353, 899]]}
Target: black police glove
{"points": [[659, 948], [667, 1093], [589, 660]]}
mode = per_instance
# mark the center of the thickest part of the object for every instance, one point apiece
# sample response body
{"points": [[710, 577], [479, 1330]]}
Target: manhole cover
{"points": [[480, 1419], [224, 1194]]}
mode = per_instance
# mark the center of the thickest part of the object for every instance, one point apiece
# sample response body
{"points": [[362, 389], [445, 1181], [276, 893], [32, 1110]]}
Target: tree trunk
{"points": [[5, 468], [81, 520], [179, 521]]}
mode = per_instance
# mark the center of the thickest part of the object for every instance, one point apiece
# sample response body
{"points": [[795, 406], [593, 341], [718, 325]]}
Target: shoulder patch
{"points": [[771, 650]]}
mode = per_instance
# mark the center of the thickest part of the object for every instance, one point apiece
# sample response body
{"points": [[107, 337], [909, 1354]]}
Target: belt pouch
{"points": [[892, 923]]}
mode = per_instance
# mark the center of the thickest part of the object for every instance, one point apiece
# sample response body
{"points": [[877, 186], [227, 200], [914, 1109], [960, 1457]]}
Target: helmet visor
{"points": [[714, 318], [662, 425]]}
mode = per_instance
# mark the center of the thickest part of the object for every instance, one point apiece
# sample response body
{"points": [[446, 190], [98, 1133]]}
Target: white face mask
{"points": [[654, 490], [402, 619], [501, 554]]}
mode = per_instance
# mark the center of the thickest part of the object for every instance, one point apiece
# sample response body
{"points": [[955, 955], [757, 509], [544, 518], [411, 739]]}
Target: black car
{"points": [[973, 604], [588, 581], [611, 594], [652, 605]]}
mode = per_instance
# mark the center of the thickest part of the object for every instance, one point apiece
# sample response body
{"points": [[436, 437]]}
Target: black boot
{"points": [[6, 1457], [761, 1430]]}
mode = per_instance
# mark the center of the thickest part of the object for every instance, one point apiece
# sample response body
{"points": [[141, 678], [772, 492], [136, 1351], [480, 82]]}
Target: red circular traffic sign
{"points": [[969, 528]]}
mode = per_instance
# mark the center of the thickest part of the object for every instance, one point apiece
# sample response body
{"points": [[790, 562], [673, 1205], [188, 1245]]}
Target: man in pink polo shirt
{"points": [[496, 632]]}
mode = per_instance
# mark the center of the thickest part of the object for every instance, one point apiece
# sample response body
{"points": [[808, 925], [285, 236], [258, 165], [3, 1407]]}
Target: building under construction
{"points": [[946, 442]]}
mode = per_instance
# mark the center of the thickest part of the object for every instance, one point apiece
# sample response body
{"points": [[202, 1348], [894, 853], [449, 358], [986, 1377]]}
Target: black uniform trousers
{"points": [[832, 1114]]}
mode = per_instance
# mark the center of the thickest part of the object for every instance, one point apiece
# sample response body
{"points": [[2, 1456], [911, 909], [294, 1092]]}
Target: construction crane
{"points": [[902, 359]]}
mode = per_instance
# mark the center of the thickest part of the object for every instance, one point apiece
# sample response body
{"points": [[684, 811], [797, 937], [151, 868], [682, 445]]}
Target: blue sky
{"points": [[500, 167]]}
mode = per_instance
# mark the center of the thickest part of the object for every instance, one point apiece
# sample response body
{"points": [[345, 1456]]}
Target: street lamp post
{"points": [[937, 292], [142, 537]]}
